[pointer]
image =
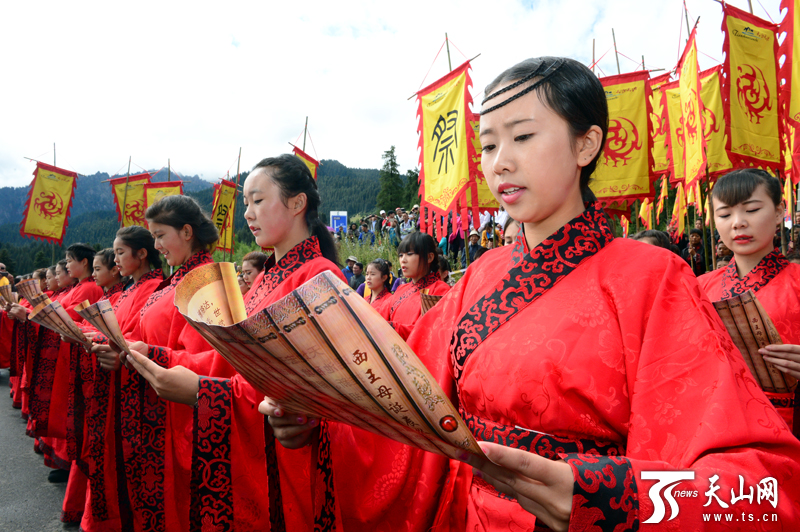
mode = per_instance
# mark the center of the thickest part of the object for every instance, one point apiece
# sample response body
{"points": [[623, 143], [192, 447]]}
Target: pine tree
{"points": [[391, 194], [412, 188], [40, 260]]}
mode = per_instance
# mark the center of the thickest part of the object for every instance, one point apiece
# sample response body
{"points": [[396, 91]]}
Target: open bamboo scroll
{"points": [[30, 289], [8, 295], [101, 316], [324, 351], [751, 329], [51, 314], [427, 301]]}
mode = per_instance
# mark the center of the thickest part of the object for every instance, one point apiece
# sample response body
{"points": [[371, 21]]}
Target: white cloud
{"points": [[193, 82]]}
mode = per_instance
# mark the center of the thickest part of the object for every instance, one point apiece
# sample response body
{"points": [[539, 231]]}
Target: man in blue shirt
{"points": [[347, 271]]}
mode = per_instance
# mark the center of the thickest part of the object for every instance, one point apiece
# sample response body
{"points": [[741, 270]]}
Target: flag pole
{"points": [[169, 171], [125, 195], [447, 42], [593, 59], [232, 213], [305, 132], [616, 54]]}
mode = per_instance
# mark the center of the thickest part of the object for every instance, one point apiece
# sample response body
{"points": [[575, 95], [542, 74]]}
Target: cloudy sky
{"points": [[194, 81]]}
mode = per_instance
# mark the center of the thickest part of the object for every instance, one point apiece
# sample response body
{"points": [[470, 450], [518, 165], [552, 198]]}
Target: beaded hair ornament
{"points": [[544, 71]]}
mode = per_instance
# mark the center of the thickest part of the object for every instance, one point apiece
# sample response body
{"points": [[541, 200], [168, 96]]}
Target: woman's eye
{"points": [[487, 148], [257, 201], [755, 210], [523, 138], [723, 215]]}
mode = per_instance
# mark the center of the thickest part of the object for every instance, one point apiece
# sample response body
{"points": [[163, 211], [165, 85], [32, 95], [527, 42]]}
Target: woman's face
{"points": [[102, 275], [125, 258], [174, 244], [75, 269], [511, 234], [748, 227], [412, 266], [249, 272], [270, 221], [374, 279], [64, 279], [531, 161], [52, 281]]}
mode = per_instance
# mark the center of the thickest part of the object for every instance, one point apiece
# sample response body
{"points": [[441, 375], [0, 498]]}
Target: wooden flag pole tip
{"points": [[413, 95]]}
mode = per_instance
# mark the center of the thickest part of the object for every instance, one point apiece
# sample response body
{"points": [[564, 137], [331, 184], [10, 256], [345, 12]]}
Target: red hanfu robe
{"points": [[405, 307], [157, 434], [776, 283], [6, 330], [108, 505], [236, 482], [381, 301], [605, 353]]}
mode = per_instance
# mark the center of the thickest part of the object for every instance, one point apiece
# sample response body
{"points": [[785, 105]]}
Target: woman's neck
{"points": [[537, 232], [421, 277], [140, 272], [82, 278], [298, 233], [746, 263], [377, 292]]}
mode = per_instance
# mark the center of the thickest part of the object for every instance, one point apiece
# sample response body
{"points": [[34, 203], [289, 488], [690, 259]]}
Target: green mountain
{"points": [[93, 218]]}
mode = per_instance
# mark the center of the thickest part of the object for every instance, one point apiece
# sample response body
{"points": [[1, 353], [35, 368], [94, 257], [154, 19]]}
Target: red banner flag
{"points": [[49, 201], [129, 191], [790, 71], [313, 164], [750, 90]]}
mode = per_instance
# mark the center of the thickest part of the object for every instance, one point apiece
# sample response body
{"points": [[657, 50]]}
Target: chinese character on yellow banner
{"points": [[750, 89], [694, 142], [49, 200], [129, 192], [313, 164], [445, 139], [155, 191], [623, 170], [224, 196]]}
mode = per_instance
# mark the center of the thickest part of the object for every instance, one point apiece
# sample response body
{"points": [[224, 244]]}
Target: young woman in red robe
{"points": [[106, 274], [108, 506], [747, 207], [377, 281], [420, 264], [588, 367]]}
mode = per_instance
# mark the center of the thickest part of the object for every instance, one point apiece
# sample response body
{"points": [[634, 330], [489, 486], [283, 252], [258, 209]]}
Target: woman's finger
{"points": [[146, 367], [780, 348]]}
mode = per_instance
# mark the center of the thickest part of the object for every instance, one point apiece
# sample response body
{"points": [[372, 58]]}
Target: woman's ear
{"points": [[298, 203], [431, 258], [589, 145], [187, 232]]}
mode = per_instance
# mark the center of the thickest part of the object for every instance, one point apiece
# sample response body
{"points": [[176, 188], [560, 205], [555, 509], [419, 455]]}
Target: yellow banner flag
{"points": [[707, 209], [646, 213], [662, 196], [714, 122], [224, 197], [659, 125], [129, 192], [623, 170], [790, 71], [309, 161], [445, 139], [694, 142], [750, 89], [679, 212], [623, 221], [672, 103], [486, 199], [155, 191], [49, 200]]}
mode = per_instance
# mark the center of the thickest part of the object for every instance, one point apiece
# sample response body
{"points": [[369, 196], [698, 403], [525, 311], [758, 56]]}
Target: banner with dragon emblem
{"points": [[129, 191], [49, 201], [714, 122], [671, 101], [659, 126], [224, 196], [694, 142], [155, 191], [750, 90], [478, 185], [623, 171], [790, 70], [445, 140]]}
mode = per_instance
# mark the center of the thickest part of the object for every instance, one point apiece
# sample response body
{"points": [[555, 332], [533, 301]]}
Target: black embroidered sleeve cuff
{"points": [[604, 496], [158, 355]]}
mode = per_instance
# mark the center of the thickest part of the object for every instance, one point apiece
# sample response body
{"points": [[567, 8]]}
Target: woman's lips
{"points": [[510, 193], [743, 239]]}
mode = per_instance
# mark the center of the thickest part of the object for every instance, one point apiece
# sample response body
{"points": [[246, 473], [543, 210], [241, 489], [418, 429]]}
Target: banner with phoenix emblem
{"points": [[694, 142], [224, 196], [750, 90], [49, 201], [659, 126], [714, 122], [445, 140], [313, 164], [478, 185], [790, 71], [155, 191], [623, 170], [129, 191]]}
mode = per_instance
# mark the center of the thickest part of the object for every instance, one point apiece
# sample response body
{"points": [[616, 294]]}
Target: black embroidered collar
{"points": [[765, 271], [116, 289], [428, 280], [276, 273], [152, 274], [531, 276]]}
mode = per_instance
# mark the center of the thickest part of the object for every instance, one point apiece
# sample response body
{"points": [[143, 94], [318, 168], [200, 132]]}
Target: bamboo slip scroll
{"points": [[751, 329], [324, 351], [101, 316], [51, 315]]}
